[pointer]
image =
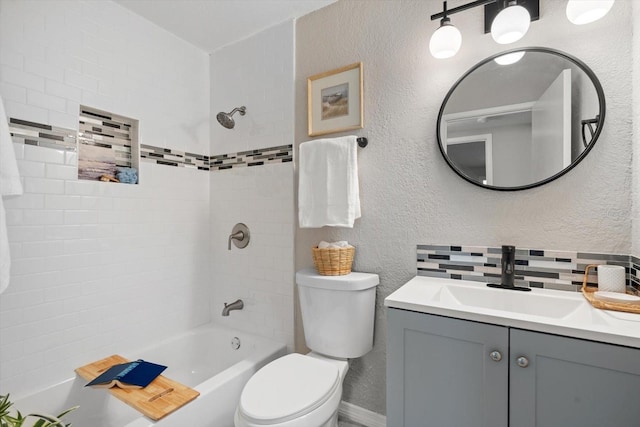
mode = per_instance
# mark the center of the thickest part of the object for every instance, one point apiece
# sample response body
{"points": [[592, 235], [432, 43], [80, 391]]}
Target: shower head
{"points": [[226, 120]]}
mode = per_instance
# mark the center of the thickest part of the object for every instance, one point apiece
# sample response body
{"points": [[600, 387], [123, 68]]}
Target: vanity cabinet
{"points": [[447, 372]]}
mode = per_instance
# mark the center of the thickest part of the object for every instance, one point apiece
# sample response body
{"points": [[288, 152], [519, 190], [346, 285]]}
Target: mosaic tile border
{"points": [[536, 268], [106, 132], [258, 157], [169, 157], [41, 135]]}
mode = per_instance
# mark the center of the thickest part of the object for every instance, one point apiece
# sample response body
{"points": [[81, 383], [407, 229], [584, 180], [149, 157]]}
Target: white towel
{"points": [[328, 191], [10, 185]]}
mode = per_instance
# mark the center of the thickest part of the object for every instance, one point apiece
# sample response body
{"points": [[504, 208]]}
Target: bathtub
{"points": [[203, 358]]}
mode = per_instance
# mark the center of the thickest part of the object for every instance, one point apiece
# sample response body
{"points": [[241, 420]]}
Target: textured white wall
{"points": [[409, 195], [100, 268], [258, 73]]}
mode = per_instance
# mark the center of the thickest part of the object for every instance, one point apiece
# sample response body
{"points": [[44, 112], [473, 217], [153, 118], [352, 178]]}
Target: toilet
{"points": [[305, 390]]}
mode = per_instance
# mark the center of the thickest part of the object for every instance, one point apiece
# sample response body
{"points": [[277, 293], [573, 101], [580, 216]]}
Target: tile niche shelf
{"points": [[106, 142]]}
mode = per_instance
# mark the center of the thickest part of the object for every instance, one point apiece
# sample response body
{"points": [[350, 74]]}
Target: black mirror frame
{"points": [[600, 124]]}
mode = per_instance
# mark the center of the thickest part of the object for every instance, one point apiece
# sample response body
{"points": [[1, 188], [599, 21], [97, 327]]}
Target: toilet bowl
{"points": [[305, 390], [293, 391]]}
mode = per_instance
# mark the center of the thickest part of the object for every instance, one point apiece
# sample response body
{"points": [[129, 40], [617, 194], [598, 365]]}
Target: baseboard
{"points": [[357, 414]]}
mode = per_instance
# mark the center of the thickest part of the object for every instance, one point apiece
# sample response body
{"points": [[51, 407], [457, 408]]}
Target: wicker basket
{"points": [[333, 261], [588, 292]]}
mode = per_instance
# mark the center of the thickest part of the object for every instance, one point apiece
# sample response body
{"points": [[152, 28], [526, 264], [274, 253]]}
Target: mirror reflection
{"points": [[521, 119]]}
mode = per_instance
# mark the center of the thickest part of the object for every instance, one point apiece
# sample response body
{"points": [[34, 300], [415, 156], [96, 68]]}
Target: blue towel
{"points": [[127, 175]]}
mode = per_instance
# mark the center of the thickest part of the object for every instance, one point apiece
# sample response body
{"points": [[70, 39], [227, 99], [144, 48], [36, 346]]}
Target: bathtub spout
{"points": [[236, 305]]}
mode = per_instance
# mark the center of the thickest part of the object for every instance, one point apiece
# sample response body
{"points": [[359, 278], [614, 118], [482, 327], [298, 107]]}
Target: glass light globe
{"points": [[582, 12], [445, 42], [510, 25], [509, 58]]}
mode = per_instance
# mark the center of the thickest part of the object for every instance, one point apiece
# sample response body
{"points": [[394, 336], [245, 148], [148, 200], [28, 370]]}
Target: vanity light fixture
{"points": [[582, 12], [511, 24], [446, 41], [506, 20]]}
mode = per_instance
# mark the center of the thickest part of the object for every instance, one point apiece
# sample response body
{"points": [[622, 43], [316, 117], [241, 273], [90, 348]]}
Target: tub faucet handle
{"points": [[240, 236]]}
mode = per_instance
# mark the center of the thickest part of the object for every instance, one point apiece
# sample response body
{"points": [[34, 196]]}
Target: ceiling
{"points": [[212, 24]]}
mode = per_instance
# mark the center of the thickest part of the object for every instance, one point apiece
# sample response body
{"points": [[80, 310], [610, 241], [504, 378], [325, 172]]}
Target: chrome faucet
{"points": [[236, 305], [508, 270]]}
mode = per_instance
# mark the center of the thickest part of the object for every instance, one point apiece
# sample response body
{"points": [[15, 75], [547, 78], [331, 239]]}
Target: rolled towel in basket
{"points": [[338, 244]]}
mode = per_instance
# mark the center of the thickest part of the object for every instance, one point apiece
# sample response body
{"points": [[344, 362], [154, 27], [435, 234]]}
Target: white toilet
{"points": [[305, 390]]}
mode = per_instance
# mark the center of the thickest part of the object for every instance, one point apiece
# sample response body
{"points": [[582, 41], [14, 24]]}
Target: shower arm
{"points": [[241, 110]]}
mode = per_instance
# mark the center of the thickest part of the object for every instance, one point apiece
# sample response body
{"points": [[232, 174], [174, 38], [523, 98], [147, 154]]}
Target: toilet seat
{"points": [[288, 388]]}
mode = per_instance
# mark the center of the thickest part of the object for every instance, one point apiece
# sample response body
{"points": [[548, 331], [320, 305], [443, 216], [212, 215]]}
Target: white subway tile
{"points": [[26, 201], [82, 188], [43, 69], [20, 300], [62, 90], [55, 171], [52, 201], [62, 232], [13, 92], [42, 248], [42, 217], [33, 169], [71, 158], [25, 233], [11, 57], [26, 112], [18, 149], [43, 154], [63, 120], [49, 102], [80, 217], [81, 81], [21, 78], [44, 185]]}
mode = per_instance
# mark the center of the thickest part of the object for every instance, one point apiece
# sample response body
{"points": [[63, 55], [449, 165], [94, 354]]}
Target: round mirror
{"points": [[521, 118]]}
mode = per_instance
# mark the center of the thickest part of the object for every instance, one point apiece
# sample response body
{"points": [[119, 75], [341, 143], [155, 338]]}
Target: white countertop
{"points": [[543, 310]]}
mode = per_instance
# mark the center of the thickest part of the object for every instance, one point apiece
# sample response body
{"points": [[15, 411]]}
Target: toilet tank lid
{"points": [[349, 282]]}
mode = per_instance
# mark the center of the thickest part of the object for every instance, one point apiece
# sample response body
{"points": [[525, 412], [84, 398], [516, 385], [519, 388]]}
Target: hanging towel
{"points": [[328, 193], [10, 185]]}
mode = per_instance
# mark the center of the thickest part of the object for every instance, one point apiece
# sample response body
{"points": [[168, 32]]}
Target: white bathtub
{"points": [[202, 358]]}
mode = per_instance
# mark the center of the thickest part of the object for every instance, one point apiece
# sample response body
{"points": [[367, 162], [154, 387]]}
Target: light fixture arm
{"points": [[461, 8]]}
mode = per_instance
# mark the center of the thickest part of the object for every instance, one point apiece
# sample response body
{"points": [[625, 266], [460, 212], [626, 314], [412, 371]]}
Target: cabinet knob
{"points": [[522, 361], [495, 355]]}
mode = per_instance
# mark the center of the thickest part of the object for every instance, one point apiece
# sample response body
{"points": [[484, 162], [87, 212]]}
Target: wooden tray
{"points": [[588, 292], [157, 400]]}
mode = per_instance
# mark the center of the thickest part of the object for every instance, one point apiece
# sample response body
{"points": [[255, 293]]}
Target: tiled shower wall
{"points": [[256, 72], [100, 268]]}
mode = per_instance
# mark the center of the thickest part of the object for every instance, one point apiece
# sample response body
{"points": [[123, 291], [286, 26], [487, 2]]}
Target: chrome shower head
{"points": [[226, 120]]}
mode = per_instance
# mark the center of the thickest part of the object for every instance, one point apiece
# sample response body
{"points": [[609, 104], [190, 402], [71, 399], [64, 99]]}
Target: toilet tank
{"points": [[338, 312]]}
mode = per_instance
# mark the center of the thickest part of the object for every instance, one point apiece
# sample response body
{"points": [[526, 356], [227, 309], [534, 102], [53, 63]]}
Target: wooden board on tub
{"points": [[157, 400]]}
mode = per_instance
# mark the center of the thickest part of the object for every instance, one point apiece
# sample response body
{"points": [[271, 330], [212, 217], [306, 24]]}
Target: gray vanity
{"points": [[464, 355]]}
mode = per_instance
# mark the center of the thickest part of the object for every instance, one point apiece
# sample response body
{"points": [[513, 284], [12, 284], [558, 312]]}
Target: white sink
{"points": [[542, 310], [512, 301]]}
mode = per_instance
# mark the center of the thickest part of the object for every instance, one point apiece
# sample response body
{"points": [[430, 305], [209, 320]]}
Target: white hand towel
{"points": [[10, 185], [328, 191]]}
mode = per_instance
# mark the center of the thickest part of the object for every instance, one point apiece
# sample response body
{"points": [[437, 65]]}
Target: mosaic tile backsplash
{"points": [[536, 268]]}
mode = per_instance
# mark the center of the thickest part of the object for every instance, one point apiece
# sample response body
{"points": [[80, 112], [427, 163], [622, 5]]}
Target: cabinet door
{"points": [[572, 383], [440, 373]]}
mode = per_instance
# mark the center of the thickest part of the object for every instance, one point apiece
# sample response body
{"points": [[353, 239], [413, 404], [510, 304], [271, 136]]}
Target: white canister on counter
{"points": [[612, 278]]}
